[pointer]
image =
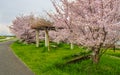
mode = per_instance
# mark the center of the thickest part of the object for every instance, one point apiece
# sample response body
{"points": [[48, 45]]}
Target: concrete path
{"points": [[9, 63]]}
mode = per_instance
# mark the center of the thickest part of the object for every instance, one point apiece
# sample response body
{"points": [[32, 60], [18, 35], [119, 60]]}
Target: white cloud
{"points": [[4, 30]]}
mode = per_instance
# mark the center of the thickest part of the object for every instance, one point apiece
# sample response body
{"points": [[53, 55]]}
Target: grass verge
{"points": [[42, 62]]}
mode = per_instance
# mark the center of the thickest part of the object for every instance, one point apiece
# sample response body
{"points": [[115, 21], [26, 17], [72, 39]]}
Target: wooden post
{"points": [[71, 46], [58, 42], [37, 38], [47, 39], [48, 44]]}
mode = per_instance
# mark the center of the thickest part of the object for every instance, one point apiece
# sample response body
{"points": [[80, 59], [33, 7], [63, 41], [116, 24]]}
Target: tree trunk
{"points": [[47, 39], [95, 56], [71, 46], [37, 38]]}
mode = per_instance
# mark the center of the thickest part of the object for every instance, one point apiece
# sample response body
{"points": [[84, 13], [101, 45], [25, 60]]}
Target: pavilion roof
{"points": [[42, 24]]}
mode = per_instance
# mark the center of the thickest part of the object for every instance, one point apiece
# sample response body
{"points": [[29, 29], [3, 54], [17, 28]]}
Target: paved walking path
{"points": [[9, 63]]}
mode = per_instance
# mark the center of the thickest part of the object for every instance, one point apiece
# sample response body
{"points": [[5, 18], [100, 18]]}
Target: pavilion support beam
{"points": [[47, 44], [37, 38]]}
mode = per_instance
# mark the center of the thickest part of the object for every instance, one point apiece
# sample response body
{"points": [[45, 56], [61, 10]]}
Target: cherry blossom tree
{"points": [[21, 27], [91, 23], [63, 18]]}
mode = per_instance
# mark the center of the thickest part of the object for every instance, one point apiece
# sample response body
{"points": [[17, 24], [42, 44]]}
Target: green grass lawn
{"points": [[6, 38], [2, 37], [42, 62]]}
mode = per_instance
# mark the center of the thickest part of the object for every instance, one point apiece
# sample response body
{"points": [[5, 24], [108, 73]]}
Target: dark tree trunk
{"points": [[95, 56]]}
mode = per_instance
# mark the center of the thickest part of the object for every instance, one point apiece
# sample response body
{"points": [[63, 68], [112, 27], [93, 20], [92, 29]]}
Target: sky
{"points": [[9, 9]]}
